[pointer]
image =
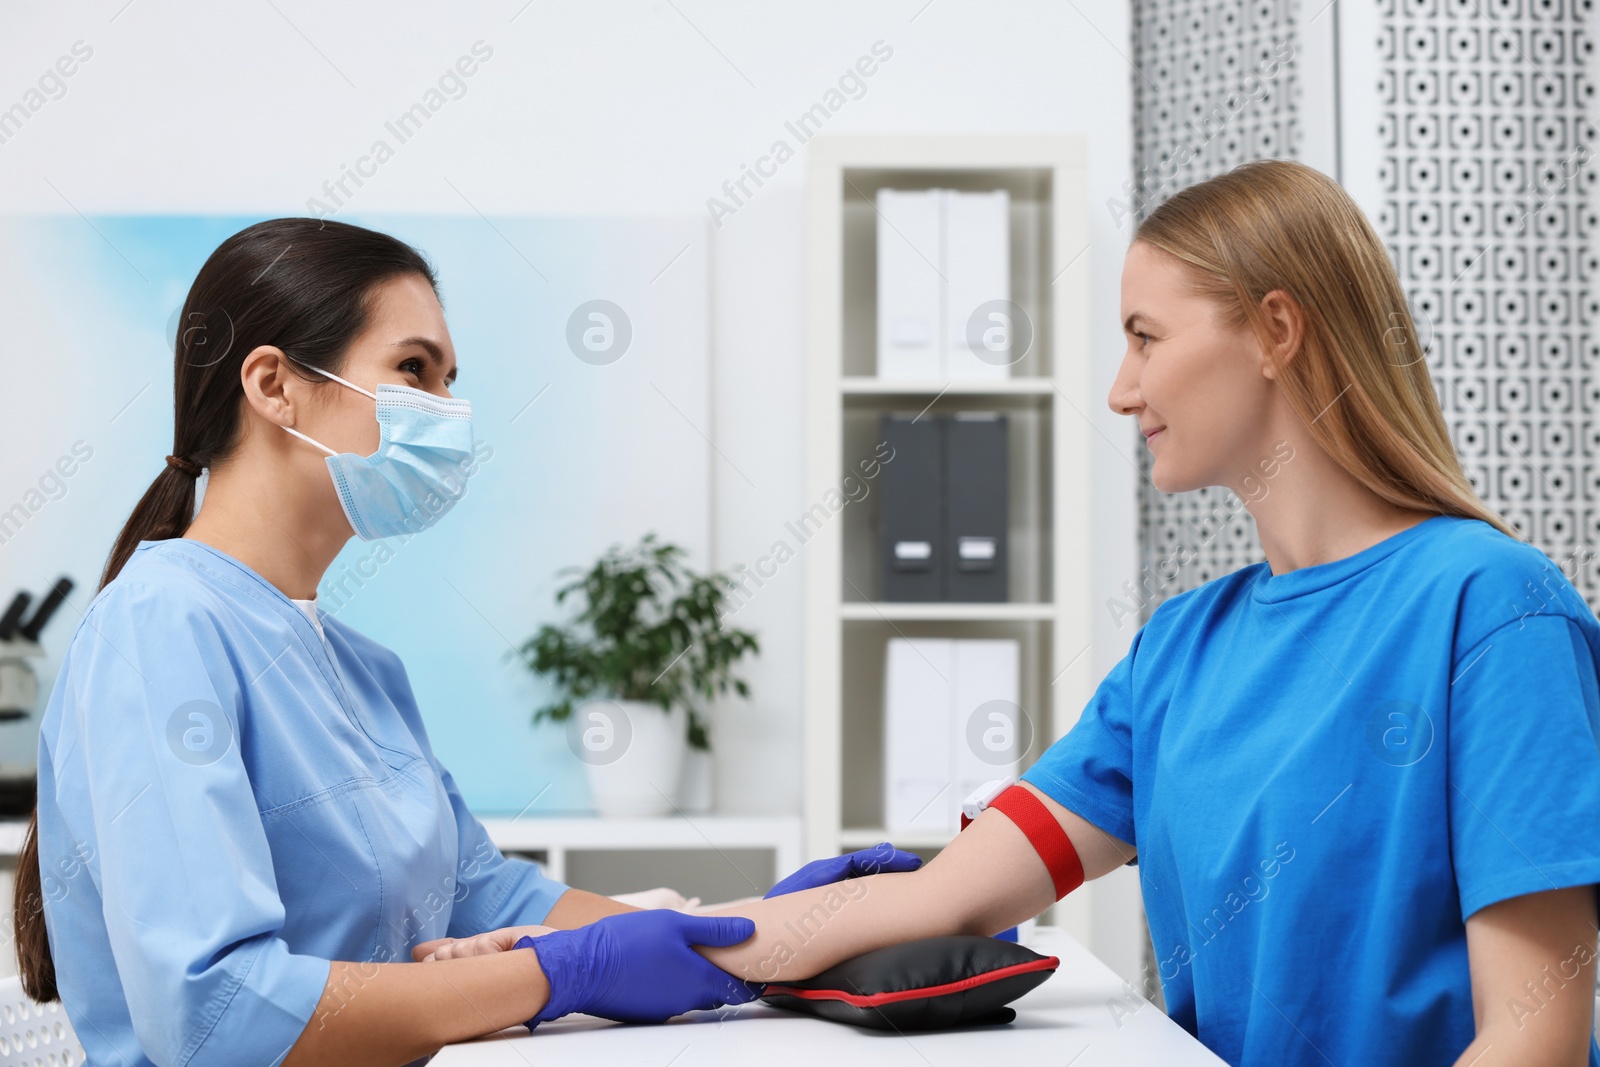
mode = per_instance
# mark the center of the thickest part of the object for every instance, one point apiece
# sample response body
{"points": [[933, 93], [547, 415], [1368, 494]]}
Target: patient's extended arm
{"points": [[985, 880]]}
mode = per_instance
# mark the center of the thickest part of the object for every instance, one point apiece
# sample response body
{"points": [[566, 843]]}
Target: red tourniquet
{"points": [[1046, 836]]}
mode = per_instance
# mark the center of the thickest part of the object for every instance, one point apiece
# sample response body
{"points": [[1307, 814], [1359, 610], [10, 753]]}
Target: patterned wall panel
{"points": [[1484, 141], [1211, 90], [1487, 206]]}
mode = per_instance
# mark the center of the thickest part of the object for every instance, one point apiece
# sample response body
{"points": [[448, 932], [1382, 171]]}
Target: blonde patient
{"points": [[1263, 318]]}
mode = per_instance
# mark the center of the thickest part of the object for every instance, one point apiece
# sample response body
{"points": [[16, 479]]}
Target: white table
{"points": [[1068, 1020]]}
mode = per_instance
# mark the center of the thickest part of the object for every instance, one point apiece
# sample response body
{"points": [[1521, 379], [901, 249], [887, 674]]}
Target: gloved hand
{"points": [[875, 860], [638, 967]]}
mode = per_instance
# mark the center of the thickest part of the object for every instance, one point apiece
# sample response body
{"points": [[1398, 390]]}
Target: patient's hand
{"points": [[450, 948]]}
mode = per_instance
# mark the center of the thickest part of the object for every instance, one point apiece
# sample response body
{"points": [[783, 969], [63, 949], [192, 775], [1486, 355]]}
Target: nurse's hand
{"points": [[875, 860], [640, 966], [450, 948]]}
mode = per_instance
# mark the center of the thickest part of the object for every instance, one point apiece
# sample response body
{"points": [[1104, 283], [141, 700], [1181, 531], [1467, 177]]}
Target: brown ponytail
{"points": [[34, 962], [302, 285]]}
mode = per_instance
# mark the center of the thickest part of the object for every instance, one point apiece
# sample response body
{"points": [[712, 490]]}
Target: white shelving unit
{"points": [[1049, 608]]}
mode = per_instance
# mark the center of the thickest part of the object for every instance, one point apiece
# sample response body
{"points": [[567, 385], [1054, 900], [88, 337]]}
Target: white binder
{"points": [[944, 262], [943, 734], [977, 271], [986, 714], [919, 747], [910, 240]]}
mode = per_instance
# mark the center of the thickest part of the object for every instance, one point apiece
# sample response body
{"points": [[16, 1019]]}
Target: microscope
{"points": [[19, 697]]}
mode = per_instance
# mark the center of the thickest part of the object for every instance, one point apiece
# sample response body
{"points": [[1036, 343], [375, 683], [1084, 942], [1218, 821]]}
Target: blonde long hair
{"points": [[1360, 381]]}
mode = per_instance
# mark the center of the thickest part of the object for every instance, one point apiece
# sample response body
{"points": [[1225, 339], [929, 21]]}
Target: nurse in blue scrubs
{"points": [[242, 831], [1360, 779]]}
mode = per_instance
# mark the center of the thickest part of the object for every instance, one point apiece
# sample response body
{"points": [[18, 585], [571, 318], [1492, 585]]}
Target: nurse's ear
{"points": [[283, 394], [271, 389]]}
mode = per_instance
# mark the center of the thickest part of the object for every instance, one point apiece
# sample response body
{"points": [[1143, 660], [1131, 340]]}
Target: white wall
{"points": [[605, 108]]}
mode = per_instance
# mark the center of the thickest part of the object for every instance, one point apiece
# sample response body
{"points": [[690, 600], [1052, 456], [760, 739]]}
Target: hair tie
{"points": [[179, 463]]}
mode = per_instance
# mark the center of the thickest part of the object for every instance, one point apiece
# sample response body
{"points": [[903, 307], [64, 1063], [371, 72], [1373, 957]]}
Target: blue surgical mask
{"points": [[419, 470]]}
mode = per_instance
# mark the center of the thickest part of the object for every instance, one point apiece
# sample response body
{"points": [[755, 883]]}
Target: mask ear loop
{"points": [[335, 377], [310, 441], [341, 381]]}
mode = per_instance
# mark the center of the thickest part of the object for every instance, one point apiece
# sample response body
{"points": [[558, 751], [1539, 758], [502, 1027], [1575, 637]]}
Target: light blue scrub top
{"points": [[227, 802], [1326, 772]]}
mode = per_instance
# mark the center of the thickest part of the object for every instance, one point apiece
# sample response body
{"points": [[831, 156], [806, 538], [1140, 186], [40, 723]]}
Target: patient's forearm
{"points": [[987, 879]]}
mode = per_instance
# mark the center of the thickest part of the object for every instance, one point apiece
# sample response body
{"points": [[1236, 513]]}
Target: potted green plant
{"points": [[632, 668]]}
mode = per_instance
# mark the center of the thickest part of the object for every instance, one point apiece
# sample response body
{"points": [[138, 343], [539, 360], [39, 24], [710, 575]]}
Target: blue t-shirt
{"points": [[1327, 771]]}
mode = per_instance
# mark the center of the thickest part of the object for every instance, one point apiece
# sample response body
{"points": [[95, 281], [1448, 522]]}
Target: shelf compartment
{"points": [[1031, 273], [559, 842], [862, 713], [1029, 475]]}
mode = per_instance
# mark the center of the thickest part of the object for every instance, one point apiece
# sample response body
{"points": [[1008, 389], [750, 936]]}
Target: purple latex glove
{"points": [[639, 967], [875, 860]]}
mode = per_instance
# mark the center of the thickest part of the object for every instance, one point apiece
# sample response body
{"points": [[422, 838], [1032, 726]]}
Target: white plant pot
{"points": [[633, 752]]}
